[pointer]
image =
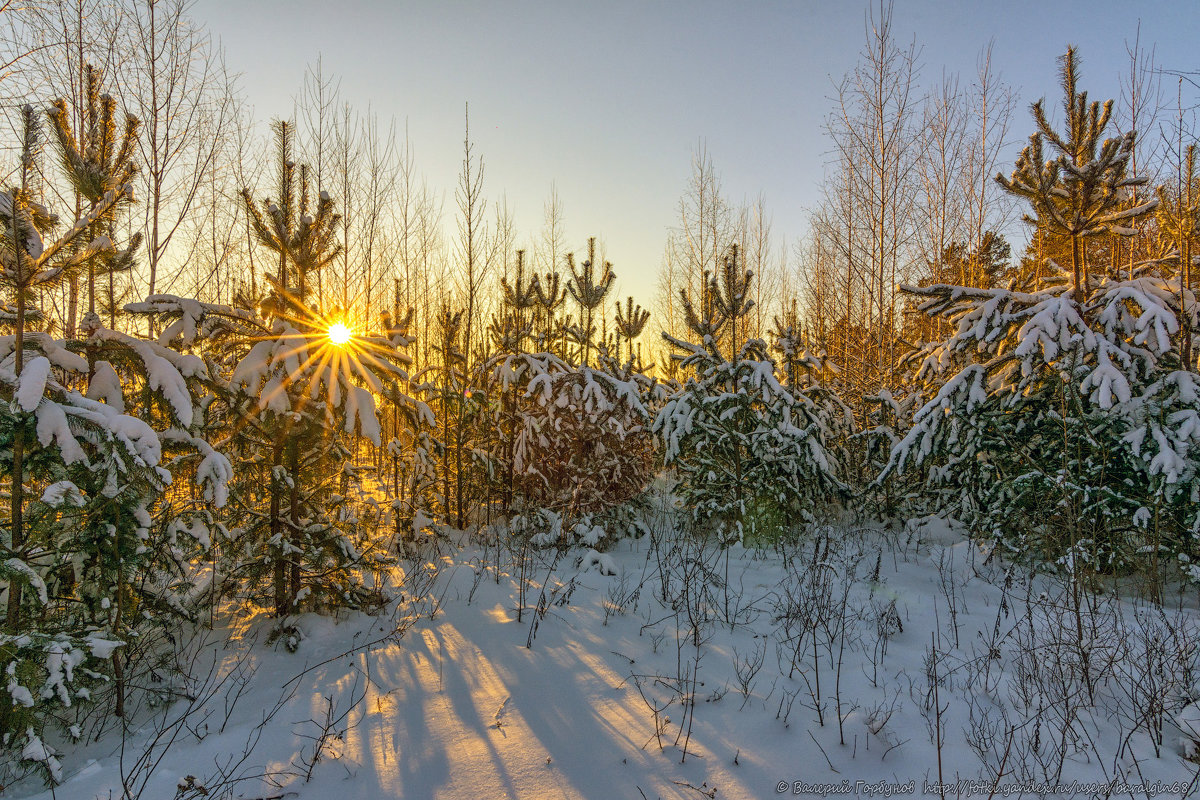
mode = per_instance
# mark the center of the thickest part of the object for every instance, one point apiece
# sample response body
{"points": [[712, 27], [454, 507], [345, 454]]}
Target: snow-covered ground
{"points": [[842, 660]]}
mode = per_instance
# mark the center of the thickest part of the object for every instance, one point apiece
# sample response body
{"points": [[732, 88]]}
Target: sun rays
{"points": [[327, 356]]}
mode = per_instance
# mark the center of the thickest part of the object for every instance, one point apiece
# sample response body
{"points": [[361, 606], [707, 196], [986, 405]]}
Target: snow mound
{"points": [[1188, 720]]}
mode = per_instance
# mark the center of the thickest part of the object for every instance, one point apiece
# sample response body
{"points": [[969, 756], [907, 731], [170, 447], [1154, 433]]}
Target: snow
{"points": [[52, 428], [106, 386], [51, 348], [166, 371], [135, 435], [601, 562], [101, 647], [32, 385], [1188, 720], [30, 574], [59, 668], [20, 695], [63, 493], [360, 406], [471, 702], [588, 534], [35, 750], [250, 370], [213, 473], [191, 319]]}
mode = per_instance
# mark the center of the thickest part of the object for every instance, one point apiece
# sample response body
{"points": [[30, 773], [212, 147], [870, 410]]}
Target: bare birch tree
{"points": [[171, 82], [990, 106], [873, 130]]}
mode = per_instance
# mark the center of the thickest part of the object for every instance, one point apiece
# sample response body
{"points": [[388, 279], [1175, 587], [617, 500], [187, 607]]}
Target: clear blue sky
{"points": [[607, 100]]}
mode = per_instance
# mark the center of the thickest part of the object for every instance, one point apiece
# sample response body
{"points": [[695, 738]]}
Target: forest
{"points": [[291, 447]]}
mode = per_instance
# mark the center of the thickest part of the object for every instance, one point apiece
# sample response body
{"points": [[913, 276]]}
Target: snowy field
{"points": [[878, 662]]}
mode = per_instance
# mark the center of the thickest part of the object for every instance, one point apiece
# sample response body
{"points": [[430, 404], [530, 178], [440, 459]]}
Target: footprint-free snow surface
{"points": [[860, 660]]}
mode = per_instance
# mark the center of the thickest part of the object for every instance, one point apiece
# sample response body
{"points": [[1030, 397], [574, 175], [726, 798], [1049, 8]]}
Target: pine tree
{"points": [[411, 445], [752, 455], [1178, 218], [452, 395], [1078, 192], [31, 265], [508, 332], [305, 388], [589, 291], [569, 439], [550, 296], [1064, 432], [629, 324], [95, 164], [90, 551], [579, 443], [520, 298]]}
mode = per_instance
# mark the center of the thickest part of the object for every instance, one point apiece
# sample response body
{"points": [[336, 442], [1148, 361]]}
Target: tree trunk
{"points": [[294, 526], [1079, 269], [280, 577], [1185, 280], [17, 493]]}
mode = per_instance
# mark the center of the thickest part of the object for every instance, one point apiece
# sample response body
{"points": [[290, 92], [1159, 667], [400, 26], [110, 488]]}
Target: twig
{"points": [[822, 749]]}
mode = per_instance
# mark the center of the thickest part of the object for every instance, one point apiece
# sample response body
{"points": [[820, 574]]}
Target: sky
{"points": [[607, 102]]}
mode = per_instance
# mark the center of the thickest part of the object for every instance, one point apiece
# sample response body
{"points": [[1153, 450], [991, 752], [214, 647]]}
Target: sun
{"points": [[339, 334]]}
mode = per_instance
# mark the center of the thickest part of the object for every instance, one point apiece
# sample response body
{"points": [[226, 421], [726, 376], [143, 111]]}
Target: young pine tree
{"points": [[301, 393], [1062, 419], [89, 448], [751, 453], [1077, 193]]}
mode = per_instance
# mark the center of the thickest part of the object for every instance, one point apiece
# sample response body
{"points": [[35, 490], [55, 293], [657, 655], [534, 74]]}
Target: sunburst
{"points": [[339, 334]]}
